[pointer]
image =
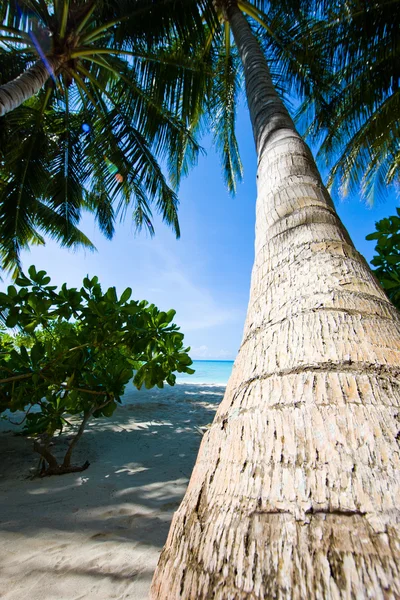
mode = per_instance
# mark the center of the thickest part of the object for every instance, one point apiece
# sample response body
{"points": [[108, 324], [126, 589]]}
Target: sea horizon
{"points": [[213, 360], [209, 371]]}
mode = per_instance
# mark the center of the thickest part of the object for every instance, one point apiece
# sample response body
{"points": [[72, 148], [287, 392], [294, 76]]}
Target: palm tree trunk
{"points": [[15, 92], [295, 492]]}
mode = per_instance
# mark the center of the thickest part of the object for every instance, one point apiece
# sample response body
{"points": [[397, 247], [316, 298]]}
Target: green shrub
{"points": [[387, 258], [74, 352]]}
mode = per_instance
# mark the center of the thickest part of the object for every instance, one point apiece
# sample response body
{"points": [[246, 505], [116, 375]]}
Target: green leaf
{"points": [[12, 320], [37, 353], [109, 409], [23, 281], [171, 379], [111, 294], [388, 284], [184, 359], [30, 327], [170, 315], [32, 272], [40, 276], [4, 299], [125, 295], [11, 291]]}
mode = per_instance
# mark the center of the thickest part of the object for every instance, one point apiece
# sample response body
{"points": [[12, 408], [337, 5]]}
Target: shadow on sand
{"points": [[141, 461]]}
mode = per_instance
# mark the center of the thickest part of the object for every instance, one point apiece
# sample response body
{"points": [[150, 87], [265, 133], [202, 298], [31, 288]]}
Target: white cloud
{"points": [[199, 310], [204, 352], [200, 352], [196, 306], [167, 275]]}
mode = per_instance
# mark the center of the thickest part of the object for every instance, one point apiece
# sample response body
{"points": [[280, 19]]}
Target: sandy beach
{"points": [[98, 534]]}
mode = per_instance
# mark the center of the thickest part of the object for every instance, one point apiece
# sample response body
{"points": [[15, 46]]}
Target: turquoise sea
{"points": [[208, 371]]}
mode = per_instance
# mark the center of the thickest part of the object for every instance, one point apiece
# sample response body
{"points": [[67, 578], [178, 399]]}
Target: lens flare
{"points": [[113, 169]]}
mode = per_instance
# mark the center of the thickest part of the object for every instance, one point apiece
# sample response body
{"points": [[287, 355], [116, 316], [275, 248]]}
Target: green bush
{"points": [[74, 352], [387, 258]]}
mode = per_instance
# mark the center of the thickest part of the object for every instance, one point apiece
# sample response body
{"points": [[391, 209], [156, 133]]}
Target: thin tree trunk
{"points": [[295, 493], [79, 433], [53, 467], [76, 438], [15, 92], [45, 453]]}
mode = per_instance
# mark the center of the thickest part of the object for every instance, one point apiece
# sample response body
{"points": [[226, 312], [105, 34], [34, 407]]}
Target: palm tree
{"points": [[295, 490], [359, 113], [84, 120]]}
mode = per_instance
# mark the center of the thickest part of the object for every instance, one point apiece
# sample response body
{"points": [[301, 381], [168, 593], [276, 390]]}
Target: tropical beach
{"points": [[183, 183], [98, 534]]}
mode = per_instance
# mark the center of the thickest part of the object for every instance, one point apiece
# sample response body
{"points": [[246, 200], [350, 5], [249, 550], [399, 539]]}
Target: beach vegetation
{"points": [[301, 460], [387, 258], [354, 118], [83, 123], [71, 353]]}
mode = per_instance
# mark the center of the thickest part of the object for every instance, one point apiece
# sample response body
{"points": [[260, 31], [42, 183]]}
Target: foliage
{"points": [[210, 99], [387, 259], [92, 137], [137, 81], [76, 350], [355, 118]]}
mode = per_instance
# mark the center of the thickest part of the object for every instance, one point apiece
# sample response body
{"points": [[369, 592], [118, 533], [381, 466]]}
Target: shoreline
{"points": [[98, 534]]}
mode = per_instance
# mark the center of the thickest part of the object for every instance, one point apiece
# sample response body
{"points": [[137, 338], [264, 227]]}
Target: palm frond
{"points": [[355, 120], [222, 111], [120, 102]]}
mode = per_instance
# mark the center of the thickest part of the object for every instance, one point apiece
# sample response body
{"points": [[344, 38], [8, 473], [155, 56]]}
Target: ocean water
{"points": [[208, 371]]}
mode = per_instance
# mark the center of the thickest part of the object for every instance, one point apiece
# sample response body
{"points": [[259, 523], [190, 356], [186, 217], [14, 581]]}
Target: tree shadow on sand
{"points": [[98, 534], [136, 479]]}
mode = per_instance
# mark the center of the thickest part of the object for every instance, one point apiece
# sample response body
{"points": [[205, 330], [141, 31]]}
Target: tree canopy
{"points": [[355, 116], [74, 353], [93, 135]]}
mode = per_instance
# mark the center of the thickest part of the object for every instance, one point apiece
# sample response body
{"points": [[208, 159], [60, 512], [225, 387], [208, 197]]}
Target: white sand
{"points": [[98, 534]]}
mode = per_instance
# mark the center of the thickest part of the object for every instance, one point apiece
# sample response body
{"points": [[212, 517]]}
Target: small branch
{"points": [[28, 375], [67, 422], [26, 414], [93, 392], [64, 354], [46, 454], [61, 470], [67, 458], [16, 378], [3, 368], [86, 417]]}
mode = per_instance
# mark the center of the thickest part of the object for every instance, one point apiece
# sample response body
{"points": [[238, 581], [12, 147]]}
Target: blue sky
{"points": [[204, 276]]}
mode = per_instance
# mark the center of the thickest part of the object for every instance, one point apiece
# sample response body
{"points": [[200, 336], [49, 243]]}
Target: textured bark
{"points": [[67, 458], [15, 92], [53, 467], [296, 489]]}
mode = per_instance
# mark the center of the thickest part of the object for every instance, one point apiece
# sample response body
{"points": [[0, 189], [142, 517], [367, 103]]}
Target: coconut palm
{"points": [[295, 490], [82, 120], [62, 38], [359, 113]]}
